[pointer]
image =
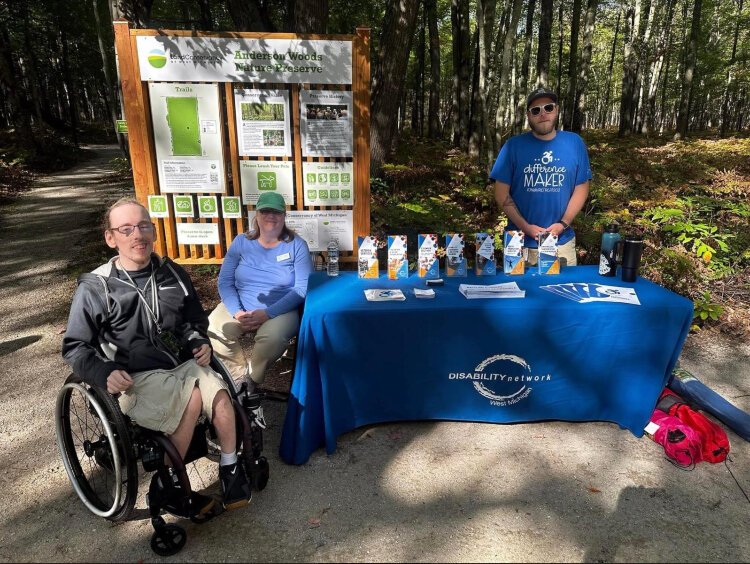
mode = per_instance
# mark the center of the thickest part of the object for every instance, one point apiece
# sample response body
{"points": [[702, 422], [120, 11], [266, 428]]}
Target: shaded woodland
{"points": [[455, 70]]}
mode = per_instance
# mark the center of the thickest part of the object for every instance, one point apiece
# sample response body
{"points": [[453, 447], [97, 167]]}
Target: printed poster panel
{"points": [[198, 233], [223, 59], [328, 184], [326, 123], [187, 137], [320, 226], [257, 177], [263, 124]]}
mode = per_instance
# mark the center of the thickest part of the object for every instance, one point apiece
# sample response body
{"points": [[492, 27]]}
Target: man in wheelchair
{"points": [[138, 330]]}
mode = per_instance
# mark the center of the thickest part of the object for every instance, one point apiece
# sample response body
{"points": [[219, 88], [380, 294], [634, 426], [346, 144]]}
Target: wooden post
{"points": [[361, 95]]}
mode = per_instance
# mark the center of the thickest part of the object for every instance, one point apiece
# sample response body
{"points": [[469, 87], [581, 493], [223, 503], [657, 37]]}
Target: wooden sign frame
{"points": [[143, 153]]}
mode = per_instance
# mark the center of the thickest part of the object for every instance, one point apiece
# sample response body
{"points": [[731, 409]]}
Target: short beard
{"points": [[542, 128]]}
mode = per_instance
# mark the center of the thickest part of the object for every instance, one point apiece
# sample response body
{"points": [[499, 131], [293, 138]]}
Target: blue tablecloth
{"points": [[541, 357]]}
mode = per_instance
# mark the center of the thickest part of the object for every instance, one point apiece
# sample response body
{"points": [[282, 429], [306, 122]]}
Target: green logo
{"points": [[311, 178], [334, 177], [334, 194], [183, 203], [266, 181], [312, 194], [322, 178], [231, 205], [346, 178], [157, 58], [323, 194], [157, 205], [346, 194], [208, 205]]}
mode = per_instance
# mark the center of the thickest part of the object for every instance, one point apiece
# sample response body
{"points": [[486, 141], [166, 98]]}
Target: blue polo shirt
{"points": [[542, 176]]}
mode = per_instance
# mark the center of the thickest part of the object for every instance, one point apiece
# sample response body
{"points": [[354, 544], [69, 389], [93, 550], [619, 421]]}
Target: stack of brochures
{"points": [[383, 295], [504, 290], [583, 292]]}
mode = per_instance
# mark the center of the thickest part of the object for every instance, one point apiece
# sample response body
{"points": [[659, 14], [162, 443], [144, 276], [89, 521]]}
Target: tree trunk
{"points": [[417, 114], [19, 114], [509, 42], [206, 19], [643, 75], [475, 114], [605, 107], [251, 15], [482, 137], [628, 71], [388, 83], [70, 86], [725, 113], [575, 20], [109, 84], [687, 78], [456, 81], [311, 16], [579, 106], [545, 38], [430, 8], [657, 69], [560, 34], [525, 63]]}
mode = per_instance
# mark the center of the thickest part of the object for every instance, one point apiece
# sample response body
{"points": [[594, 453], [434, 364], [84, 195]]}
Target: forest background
{"points": [[659, 89]]}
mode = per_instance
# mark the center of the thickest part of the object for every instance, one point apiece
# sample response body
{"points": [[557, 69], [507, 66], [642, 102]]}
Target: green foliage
{"points": [[704, 309]]}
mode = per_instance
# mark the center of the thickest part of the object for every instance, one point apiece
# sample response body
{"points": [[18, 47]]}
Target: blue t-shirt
{"points": [[253, 277], [542, 176]]}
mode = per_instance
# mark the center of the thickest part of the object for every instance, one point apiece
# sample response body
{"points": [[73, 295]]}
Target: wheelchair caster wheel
{"points": [[168, 540], [259, 474]]}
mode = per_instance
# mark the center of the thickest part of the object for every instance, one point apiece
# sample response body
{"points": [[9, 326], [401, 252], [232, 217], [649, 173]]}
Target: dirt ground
{"points": [[422, 491]]}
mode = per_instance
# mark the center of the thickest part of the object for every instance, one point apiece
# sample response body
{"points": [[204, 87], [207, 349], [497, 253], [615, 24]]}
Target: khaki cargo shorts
{"points": [[158, 398]]}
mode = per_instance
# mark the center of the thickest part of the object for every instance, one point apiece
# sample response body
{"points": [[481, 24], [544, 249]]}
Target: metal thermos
{"points": [[632, 249], [608, 256]]}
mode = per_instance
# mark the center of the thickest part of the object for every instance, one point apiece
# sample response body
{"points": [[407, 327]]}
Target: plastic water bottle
{"points": [[333, 258], [608, 257]]}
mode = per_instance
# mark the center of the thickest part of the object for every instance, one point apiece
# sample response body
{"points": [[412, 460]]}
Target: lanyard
{"points": [[153, 313]]}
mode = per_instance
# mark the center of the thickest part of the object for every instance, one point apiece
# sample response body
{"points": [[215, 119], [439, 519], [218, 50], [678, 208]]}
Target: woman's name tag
{"points": [[285, 256]]}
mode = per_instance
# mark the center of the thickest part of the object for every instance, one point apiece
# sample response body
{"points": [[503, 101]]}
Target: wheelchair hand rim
{"points": [[91, 400]]}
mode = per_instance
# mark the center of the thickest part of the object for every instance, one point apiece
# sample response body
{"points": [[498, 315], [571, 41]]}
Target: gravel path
{"points": [[430, 491]]}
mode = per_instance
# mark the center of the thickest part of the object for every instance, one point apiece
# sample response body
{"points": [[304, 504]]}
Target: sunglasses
{"points": [[548, 109]]}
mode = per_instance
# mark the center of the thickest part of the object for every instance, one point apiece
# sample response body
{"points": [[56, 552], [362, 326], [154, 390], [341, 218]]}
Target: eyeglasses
{"points": [[270, 211], [145, 227], [548, 109]]}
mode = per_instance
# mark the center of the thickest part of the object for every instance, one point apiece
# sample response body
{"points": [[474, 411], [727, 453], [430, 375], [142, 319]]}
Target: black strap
{"points": [[666, 403]]}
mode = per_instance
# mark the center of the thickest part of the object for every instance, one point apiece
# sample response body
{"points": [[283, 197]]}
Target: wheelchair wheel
{"points": [[97, 451]]}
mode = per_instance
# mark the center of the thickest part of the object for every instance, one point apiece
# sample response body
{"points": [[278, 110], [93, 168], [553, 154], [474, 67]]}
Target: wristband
{"points": [[564, 224]]}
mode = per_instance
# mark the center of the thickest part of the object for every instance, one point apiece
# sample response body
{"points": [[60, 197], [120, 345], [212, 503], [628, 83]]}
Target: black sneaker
{"points": [[172, 499], [234, 486]]}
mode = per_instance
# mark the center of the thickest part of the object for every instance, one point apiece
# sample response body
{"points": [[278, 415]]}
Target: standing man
{"points": [[137, 329], [542, 178]]}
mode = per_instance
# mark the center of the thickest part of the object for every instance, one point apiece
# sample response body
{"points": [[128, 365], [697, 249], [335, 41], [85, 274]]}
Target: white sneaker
{"points": [[260, 418]]}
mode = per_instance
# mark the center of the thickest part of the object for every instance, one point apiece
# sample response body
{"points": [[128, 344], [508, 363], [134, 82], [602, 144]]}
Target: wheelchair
{"points": [[100, 448]]}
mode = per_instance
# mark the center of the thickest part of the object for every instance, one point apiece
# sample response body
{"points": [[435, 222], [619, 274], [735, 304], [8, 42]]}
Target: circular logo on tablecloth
{"points": [[504, 379]]}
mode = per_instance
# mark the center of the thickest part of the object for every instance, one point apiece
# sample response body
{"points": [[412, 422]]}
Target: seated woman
{"points": [[262, 284]]}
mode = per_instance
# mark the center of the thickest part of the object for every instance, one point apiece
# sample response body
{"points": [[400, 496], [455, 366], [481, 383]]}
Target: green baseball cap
{"points": [[271, 201]]}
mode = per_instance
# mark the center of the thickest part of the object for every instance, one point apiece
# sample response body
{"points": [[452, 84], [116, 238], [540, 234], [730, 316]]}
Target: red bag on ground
{"points": [[713, 439], [681, 443]]}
